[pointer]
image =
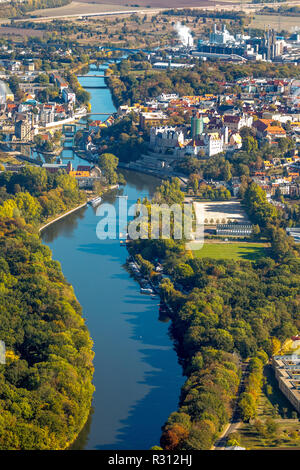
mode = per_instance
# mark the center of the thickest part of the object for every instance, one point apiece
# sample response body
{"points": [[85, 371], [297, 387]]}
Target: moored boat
{"points": [[94, 202]]}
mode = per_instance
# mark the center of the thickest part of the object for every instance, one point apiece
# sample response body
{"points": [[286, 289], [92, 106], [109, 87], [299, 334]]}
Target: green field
{"points": [[250, 251]]}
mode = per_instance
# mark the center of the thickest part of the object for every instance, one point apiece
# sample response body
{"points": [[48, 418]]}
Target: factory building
{"points": [[220, 37]]}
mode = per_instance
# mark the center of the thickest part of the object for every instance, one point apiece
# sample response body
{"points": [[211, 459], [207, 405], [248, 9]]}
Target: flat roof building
{"points": [[287, 372], [234, 229]]}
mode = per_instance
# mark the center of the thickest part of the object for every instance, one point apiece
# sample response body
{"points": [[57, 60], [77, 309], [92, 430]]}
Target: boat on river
{"points": [[147, 290], [95, 202]]}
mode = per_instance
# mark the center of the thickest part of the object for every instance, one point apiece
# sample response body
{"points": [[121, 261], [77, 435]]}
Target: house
{"points": [[54, 167], [29, 66], [165, 137], [59, 81], [83, 171], [267, 128], [235, 123], [11, 108], [149, 119], [211, 144]]}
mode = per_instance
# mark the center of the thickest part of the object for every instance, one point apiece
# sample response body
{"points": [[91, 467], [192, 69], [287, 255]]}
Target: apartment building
{"points": [[287, 372]]}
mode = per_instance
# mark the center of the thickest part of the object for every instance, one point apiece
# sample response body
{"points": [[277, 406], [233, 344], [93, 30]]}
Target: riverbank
{"points": [[62, 216]]}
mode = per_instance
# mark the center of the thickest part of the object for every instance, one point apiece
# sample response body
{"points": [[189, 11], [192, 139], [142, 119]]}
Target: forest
{"points": [[223, 312], [45, 385], [36, 195]]}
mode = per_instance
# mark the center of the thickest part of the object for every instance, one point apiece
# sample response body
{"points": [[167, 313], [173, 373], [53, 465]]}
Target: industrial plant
{"points": [[221, 44]]}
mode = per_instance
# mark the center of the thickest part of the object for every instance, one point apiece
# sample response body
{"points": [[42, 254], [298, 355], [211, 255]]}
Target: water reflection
{"points": [[65, 226]]}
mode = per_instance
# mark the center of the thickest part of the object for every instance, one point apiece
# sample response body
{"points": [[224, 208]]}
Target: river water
{"points": [[137, 376]]}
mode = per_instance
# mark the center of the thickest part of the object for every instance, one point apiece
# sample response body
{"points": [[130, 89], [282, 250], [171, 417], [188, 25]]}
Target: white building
{"points": [[68, 96], [211, 144], [167, 97], [166, 137], [46, 116], [221, 37]]}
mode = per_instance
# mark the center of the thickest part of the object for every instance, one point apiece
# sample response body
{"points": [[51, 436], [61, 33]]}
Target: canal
{"points": [[137, 376]]}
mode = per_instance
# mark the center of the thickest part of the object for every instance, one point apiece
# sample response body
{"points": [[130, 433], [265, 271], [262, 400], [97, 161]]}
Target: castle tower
{"points": [[197, 125]]}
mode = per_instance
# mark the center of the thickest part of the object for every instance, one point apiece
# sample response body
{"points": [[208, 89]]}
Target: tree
{"points": [[250, 144], [222, 339], [227, 175], [14, 83], [29, 206], [173, 436], [271, 427], [108, 164], [247, 406]]}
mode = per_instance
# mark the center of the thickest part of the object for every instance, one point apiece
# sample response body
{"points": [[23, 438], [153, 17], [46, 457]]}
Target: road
{"points": [[103, 13], [235, 421]]}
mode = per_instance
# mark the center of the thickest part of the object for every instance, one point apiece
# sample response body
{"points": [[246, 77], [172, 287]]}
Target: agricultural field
{"points": [[78, 8], [155, 3], [18, 34], [233, 250], [277, 22]]}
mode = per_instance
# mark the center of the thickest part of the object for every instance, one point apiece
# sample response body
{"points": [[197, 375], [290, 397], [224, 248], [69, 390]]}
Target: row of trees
{"points": [[248, 401]]}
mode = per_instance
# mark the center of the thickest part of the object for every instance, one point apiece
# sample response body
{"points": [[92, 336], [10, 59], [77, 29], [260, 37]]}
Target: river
{"points": [[137, 375]]}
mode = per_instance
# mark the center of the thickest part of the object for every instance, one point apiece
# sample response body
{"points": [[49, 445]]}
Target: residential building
{"points": [[149, 119], [287, 372], [68, 96], [235, 123], [267, 128], [23, 130]]}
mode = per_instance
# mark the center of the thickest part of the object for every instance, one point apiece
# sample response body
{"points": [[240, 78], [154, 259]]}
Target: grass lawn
{"points": [[237, 250]]}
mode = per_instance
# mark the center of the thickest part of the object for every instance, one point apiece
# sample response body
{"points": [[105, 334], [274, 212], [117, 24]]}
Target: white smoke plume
{"points": [[184, 34]]}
